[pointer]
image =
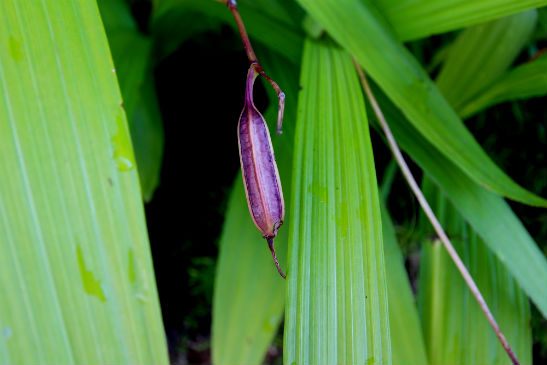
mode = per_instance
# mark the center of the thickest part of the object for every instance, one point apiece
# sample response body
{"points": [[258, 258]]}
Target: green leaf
{"points": [[249, 294], [481, 54], [487, 213], [74, 251], [455, 328], [336, 300], [131, 53], [525, 81], [413, 19], [360, 29], [407, 343]]}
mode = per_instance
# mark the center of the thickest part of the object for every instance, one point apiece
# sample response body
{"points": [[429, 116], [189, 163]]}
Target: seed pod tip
{"points": [[272, 249]]}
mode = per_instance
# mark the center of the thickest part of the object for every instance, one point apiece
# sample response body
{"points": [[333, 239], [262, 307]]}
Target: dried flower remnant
{"points": [[260, 174]]}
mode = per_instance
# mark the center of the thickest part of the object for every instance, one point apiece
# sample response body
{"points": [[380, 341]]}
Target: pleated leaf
{"points": [[456, 330], [358, 27], [75, 267], [525, 81], [488, 213], [336, 308], [413, 19], [481, 54], [249, 294]]}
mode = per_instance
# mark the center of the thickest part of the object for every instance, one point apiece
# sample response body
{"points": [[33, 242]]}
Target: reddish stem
{"points": [[538, 54], [232, 5]]}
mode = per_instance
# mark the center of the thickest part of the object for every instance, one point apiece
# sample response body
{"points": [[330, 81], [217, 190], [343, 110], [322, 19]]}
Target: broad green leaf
{"points": [[131, 52], [525, 81], [336, 308], [358, 27], [249, 294], [75, 267], [481, 54], [455, 328], [413, 19], [176, 20], [407, 343], [486, 212]]}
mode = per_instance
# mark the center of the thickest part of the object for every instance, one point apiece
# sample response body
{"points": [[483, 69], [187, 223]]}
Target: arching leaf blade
{"points": [[361, 30]]}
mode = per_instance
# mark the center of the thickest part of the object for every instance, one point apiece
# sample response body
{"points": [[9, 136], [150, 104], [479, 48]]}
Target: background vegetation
{"points": [[76, 276]]}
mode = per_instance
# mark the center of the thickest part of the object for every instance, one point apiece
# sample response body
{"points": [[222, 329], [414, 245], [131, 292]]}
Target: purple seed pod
{"points": [[260, 175]]}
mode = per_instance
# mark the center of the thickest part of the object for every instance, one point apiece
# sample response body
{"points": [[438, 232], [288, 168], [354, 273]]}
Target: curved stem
{"points": [[272, 249], [432, 218], [232, 5]]}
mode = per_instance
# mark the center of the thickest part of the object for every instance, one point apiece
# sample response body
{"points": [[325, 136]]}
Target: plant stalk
{"points": [[232, 5], [432, 218]]}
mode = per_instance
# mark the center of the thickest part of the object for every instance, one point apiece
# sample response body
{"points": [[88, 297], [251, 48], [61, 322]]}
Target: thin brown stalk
{"points": [[253, 60], [432, 218]]}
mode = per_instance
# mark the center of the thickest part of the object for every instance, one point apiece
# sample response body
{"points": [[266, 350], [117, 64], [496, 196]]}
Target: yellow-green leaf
{"points": [[413, 19], [75, 267], [481, 54], [522, 82]]}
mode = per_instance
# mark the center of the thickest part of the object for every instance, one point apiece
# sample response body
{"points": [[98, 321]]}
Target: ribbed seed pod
{"points": [[260, 175]]}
